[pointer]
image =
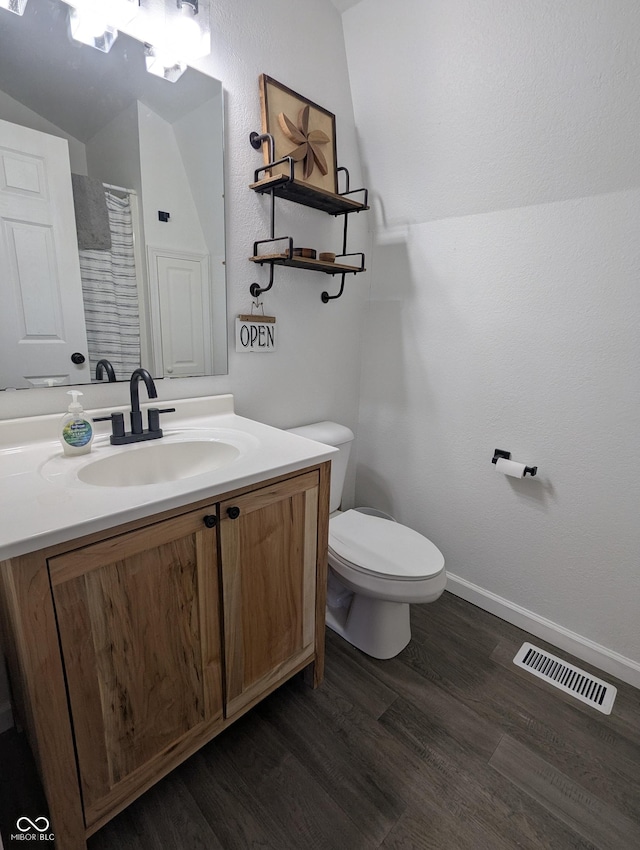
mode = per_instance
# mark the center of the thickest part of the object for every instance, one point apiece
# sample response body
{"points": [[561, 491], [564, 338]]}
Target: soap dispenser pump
{"points": [[76, 432]]}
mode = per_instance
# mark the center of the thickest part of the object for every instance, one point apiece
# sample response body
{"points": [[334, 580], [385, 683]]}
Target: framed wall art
{"points": [[302, 130]]}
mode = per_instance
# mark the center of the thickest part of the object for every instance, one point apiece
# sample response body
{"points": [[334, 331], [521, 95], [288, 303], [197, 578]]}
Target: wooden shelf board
{"points": [[304, 263], [310, 196]]}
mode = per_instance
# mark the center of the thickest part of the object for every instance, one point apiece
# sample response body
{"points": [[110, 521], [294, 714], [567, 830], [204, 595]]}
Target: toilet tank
{"points": [[340, 437]]}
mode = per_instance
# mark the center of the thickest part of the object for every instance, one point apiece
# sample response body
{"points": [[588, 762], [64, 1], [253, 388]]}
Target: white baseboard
{"points": [[6, 716], [593, 653]]}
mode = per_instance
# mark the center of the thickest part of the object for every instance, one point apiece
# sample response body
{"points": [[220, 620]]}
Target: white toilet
{"points": [[377, 567]]}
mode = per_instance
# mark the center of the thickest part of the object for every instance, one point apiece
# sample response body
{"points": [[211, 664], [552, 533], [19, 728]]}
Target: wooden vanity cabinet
{"points": [[139, 625], [268, 554], [133, 647]]}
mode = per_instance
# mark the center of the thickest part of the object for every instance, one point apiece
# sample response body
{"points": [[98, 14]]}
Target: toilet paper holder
{"points": [[501, 453]]}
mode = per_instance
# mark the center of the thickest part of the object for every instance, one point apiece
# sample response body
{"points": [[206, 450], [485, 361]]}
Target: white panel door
{"points": [[183, 298], [41, 312]]}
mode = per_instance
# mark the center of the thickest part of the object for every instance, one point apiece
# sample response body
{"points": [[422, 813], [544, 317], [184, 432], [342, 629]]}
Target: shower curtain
{"points": [[110, 293]]}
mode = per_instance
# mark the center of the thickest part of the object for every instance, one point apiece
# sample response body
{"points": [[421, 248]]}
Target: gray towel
{"points": [[92, 216]]}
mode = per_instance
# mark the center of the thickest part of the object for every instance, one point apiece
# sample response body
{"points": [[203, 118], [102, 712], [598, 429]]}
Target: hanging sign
{"points": [[255, 333]]}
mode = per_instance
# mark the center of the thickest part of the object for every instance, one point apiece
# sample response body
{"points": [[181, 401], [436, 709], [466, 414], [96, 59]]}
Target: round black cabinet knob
{"points": [[211, 521], [233, 513], [77, 358]]}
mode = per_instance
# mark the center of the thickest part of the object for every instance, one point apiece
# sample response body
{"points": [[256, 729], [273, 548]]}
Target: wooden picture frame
{"points": [[301, 129]]}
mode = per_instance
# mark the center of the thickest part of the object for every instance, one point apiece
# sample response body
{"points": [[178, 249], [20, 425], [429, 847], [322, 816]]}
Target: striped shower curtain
{"points": [[110, 294]]}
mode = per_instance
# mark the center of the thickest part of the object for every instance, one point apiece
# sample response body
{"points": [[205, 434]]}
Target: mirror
{"points": [[111, 210]]}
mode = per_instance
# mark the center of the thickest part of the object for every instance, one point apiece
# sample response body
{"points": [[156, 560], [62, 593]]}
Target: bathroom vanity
{"points": [[137, 634]]}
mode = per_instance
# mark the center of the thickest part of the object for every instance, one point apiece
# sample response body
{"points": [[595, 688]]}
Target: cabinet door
{"points": [[268, 554], [138, 617]]}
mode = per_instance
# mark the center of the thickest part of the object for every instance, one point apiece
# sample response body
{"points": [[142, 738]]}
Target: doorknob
{"points": [[233, 513], [77, 358], [210, 521]]}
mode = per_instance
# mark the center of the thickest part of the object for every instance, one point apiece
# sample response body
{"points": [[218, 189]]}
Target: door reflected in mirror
{"points": [[111, 210]]}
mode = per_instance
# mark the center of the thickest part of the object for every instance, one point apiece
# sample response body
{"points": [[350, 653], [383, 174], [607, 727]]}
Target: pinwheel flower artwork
{"points": [[303, 134], [308, 142]]}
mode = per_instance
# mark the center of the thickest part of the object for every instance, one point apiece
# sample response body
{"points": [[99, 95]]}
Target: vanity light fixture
{"points": [[175, 32], [186, 36], [16, 6], [96, 22]]}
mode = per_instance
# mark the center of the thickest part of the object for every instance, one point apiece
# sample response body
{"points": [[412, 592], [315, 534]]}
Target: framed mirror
{"points": [[112, 241]]}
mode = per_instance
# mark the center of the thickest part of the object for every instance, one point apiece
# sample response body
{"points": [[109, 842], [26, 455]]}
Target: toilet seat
{"points": [[375, 546]]}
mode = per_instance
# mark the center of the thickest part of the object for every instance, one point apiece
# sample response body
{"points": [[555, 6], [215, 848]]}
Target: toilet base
{"points": [[377, 627]]}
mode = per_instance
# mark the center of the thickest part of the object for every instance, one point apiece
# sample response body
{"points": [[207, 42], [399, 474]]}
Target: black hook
{"points": [[256, 140], [256, 290], [325, 295]]}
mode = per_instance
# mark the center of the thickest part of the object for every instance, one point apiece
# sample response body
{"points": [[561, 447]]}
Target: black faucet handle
{"points": [[154, 416], [117, 423]]}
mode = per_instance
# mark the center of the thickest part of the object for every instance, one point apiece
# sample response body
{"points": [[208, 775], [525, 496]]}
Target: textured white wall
{"points": [[467, 107], [501, 139], [315, 372]]}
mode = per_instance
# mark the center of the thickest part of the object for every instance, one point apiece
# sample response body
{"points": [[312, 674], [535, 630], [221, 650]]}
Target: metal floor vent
{"points": [[572, 680]]}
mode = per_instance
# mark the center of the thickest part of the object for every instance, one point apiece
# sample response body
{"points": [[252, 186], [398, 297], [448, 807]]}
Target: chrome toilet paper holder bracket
{"points": [[501, 453]]}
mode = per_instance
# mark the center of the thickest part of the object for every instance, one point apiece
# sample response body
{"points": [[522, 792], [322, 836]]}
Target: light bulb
{"points": [[96, 22], [183, 36], [89, 26], [186, 36], [90, 23]]}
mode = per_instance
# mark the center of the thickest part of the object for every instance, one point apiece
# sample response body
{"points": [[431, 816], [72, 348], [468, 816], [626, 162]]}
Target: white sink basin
{"points": [[158, 462], [182, 453], [47, 497]]}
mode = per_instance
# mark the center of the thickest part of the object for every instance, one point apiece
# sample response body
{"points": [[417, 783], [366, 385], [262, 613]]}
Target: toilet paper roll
{"points": [[510, 467]]}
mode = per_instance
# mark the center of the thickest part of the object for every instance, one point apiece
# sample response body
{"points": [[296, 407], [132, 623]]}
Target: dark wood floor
{"points": [[449, 745]]}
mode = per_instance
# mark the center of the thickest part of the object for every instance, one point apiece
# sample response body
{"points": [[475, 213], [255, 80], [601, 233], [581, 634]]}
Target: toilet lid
{"points": [[384, 547]]}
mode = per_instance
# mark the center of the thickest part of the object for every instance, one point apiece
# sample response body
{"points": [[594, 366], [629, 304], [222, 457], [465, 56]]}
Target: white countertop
{"points": [[42, 502]]}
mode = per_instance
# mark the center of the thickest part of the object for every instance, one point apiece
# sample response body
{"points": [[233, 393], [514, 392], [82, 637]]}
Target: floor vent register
{"points": [[572, 680]]}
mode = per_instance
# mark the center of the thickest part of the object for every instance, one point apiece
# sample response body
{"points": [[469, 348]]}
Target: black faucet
{"points": [[103, 366], [137, 434], [136, 415]]}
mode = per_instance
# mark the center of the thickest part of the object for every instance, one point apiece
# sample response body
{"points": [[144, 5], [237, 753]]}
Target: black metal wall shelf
{"points": [[286, 187], [283, 186], [310, 265]]}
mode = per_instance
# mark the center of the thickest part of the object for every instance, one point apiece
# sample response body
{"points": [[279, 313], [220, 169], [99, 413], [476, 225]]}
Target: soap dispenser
{"points": [[76, 432]]}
